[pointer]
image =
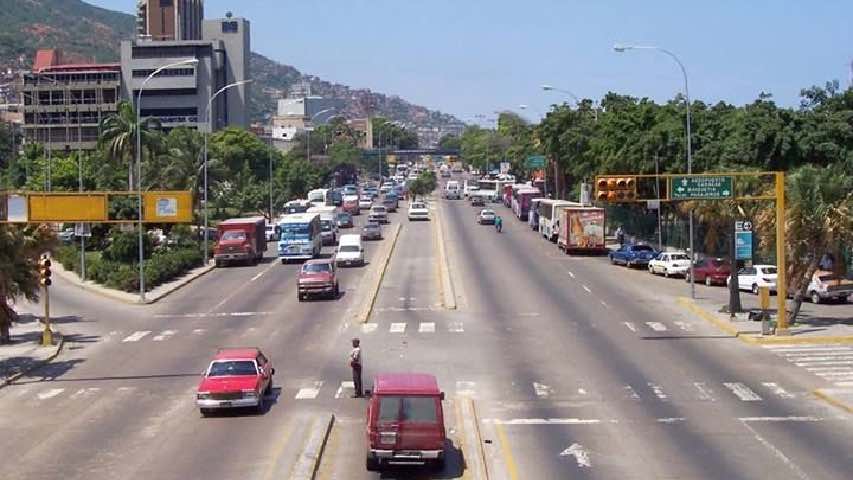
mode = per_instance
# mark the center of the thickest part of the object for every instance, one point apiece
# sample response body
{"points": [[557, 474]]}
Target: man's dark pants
{"points": [[356, 380]]}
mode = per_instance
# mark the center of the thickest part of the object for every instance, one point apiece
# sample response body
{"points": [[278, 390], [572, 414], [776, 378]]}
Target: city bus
{"points": [[300, 236]]}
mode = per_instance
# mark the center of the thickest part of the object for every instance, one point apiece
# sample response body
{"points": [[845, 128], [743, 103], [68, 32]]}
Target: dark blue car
{"points": [[632, 255]]}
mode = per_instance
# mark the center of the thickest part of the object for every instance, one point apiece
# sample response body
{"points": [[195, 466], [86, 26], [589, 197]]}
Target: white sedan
{"points": [[670, 263], [486, 217], [754, 277], [418, 211], [365, 202]]}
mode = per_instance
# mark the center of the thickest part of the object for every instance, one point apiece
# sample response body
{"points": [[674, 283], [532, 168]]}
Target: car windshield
{"points": [[487, 212], [295, 229], [408, 409], [679, 256], [418, 205], [232, 367], [316, 268], [233, 235], [344, 217], [349, 248], [642, 248]]}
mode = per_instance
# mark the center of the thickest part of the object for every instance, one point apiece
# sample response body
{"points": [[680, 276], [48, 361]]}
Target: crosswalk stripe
{"points": [[777, 390], [426, 327], [309, 393], [631, 392], [455, 327], [466, 388], [50, 393], [808, 364], [345, 387], [397, 328], [705, 393], [816, 348], [164, 335], [683, 325], [823, 358], [542, 390], [658, 391], [657, 326], [136, 336], [742, 392], [369, 327]]}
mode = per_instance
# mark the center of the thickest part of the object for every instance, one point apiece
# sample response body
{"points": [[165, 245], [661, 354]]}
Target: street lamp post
{"points": [[310, 127], [191, 61], [622, 48], [206, 133], [551, 88]]}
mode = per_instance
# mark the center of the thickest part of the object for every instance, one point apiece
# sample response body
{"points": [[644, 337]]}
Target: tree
{"points": [[118, 137], [423, 185], [450, 142], [387, 134], [20, 248]]}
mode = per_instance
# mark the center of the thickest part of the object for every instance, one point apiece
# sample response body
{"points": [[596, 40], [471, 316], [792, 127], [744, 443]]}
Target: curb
{"points": [[364, 314], [826, 397], [13, 378], [448, 292], [121, 296], [478, 465], [309, 460], [753, 339]]}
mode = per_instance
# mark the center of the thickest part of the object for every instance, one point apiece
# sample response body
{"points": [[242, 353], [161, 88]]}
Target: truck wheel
{"points": [[337, 292], [371, 464], [217, 263], [205, 412], [815, 298], [299, 296], [755, 289], [438, 464], [283, 261]]}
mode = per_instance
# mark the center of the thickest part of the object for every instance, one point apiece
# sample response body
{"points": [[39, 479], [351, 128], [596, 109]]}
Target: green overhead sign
{"points": [[536, 161], [701, 187]]}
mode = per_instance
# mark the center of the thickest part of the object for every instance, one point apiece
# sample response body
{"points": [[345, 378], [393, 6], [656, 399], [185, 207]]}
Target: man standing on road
{"points": [[620, 236], [355, 364]]}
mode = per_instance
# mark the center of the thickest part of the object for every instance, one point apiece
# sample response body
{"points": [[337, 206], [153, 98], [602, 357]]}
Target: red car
{"points": [[711, 271], [236, 377], [318, 277]]}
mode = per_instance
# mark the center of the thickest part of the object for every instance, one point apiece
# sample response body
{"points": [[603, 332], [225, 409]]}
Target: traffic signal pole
{"points": [[47, 334]]}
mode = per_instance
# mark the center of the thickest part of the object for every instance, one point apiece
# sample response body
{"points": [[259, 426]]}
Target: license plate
{"points": [[408, 454]]}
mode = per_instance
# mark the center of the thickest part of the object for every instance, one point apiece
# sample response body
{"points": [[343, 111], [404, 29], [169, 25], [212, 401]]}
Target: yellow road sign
{"points": [[56, 207], [167, 207]]}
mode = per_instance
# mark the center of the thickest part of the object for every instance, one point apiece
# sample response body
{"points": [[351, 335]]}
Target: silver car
{"points": [[486, 217]]}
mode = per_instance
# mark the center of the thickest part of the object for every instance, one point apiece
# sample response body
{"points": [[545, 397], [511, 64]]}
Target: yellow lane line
{"points": [[506, 452]]}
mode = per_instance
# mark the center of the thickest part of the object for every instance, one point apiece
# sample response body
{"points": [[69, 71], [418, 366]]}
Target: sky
{"points": [[475, 57]]}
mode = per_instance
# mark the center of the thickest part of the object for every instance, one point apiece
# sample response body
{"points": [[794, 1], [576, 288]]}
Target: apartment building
{"points": [[169, 19]]}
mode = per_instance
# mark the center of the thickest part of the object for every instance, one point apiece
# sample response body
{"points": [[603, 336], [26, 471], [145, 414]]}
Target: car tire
{"points": [[371, 464], [755, 289], [665, 273], [708, 281], [299, 297], [438, 464], [205, 412], [815, 298], [612, 261], [217, 263], [337, 292], [651, 269], [283, 261], [262, 403]]}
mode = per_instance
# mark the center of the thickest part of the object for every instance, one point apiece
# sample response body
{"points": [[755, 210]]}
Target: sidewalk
{"points": [[25, 353], [151, 296]]}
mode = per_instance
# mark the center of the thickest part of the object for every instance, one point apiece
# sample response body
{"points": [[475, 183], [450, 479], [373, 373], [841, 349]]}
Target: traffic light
{"points": [[44, 271], [613, 188]]}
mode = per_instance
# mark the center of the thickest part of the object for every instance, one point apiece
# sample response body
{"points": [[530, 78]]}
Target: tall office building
{"points": [[169, 19], [233, 37]]}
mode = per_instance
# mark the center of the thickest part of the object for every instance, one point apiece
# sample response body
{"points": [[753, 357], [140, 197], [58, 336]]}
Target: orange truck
{"points": [[581, 230], [240, 240]]}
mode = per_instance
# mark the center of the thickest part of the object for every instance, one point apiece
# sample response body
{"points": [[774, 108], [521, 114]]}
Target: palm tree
{"points": [[118, 137], [20, 248]]}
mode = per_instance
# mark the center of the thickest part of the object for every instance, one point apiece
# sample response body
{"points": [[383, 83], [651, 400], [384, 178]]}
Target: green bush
{"points": [[124, 247], [69, 257]]}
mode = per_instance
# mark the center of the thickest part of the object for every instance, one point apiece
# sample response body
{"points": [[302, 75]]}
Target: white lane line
{"points": [[466, 389], [809, 364], [309, 393], [671, 420], [545, 421], [781, 419], [824, 369], [777, 390], [705, 393], [658, 391], [164, 335], [816, 348], [345, 387], [581, 455], [656, 326], [631, 392], [397, 328], [199, 331], [136, 336], [369, 327], [848, 373], [823, 358], [571, 274], [261, 274], [605, 304], [778, 453], [683, 325], [455, 327], [630, 326], [528, 314], [586, 288], [426, 327], [256, 277], [813, 353], [742, 392], [50, 393], [542, 390]]}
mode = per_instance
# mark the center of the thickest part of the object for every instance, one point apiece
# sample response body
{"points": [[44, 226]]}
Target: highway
{"points": [[574, 368]]}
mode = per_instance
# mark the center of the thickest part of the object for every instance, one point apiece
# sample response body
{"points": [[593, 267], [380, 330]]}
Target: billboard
{"points": [[168, 207]]}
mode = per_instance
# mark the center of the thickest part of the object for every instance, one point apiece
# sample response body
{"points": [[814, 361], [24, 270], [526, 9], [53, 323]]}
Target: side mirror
{"points": [[441, 397], [203, 373]]}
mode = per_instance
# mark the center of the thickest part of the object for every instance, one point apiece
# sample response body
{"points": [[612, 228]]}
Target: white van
{"points": [[350, 251], [452, 190]]}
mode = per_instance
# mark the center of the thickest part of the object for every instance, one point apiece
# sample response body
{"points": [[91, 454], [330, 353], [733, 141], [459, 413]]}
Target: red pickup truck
{"points": [[237, 377], [240, 240]]}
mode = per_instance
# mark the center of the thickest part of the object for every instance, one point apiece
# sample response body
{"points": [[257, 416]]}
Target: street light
{"points": [[206, 133], [191, 61], [310, 127], [620, 48], [550, 88]]}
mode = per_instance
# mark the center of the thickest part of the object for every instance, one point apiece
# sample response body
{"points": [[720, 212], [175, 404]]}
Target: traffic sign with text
{"points": [[699, 187]]}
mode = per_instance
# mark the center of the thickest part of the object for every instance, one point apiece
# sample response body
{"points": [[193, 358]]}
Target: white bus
{"points": [[549, 217], [318, 195], [328, 226], [300, 237]]}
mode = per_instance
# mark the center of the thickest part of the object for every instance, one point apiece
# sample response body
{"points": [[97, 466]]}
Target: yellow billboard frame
{"points": [[158, 206]]}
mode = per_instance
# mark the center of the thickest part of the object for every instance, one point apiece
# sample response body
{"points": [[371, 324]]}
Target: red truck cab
{"points": [[405, 421], [240, 240], [318, 277], [236, 377]]}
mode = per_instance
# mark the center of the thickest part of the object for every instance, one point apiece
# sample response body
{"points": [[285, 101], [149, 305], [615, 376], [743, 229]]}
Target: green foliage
{"points": [[424, 184], [20, 248], [450, 142], [124, 247], [388, 134]]}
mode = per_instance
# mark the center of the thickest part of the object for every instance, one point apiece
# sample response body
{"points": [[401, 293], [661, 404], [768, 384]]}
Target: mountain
{"points": [[88, 33]]}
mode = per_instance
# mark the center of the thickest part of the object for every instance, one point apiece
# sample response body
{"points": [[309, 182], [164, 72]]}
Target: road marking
{"points": [[50, 393], [309, 393], [683, 325], [529, 314], [824, 353], [656, 326], [823, 369], [256, 277], [605, 304], [671, 420], [198, 331], [816, 348], [545, 421], [581, 391], [164, 335], [843, 384], [426, 327], [658, 391], [781, 419], [787, 461], [571, 274], [742, 392], [705, 393], [82, 392], [369, 327], [806, 364], [630, 326], [826, 358], [777, 390], [847, 373], [398, 328], [586, 288], [466, 389], [455, 327], [506, 452], [136, 336], [581, 455], [631, 392], [542, 390], [345, 386]]}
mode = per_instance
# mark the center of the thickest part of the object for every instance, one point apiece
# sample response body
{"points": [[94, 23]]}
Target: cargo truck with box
{"points": [[240, 240], [581, 230]]}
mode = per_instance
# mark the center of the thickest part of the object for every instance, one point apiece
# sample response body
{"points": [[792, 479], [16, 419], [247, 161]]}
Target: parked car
{"points": [[269, 233], [350, 250], [378, 214], [827, 285], [236, 377], [711, 271], [632, 255], [317, 277], [67, 235], [486, 217], [670, 263], [405, 421], [365, 202], [344, 220], [418, 211], [756, 276], [371, 231]]}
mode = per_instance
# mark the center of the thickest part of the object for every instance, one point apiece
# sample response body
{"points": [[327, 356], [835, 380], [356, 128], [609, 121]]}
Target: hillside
{"points": [[85, 33]]}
